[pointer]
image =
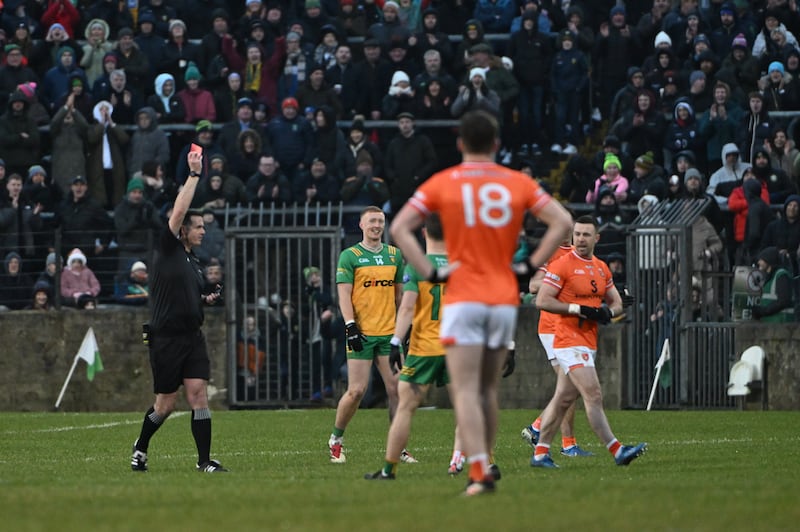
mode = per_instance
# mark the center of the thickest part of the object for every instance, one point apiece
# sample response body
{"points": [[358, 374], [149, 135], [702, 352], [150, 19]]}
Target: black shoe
{"points": [[378, 475], [138, 459], [212, 466], [479, 488], [494, 472]]}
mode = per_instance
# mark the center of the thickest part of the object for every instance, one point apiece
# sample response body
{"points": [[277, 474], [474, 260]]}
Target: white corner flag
{"points": [[662, 360], [91, 354]]}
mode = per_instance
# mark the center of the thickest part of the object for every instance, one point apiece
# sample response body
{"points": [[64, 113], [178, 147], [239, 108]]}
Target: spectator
{"points": [[315, 92], [611, 220], [612, 179], [158, 188], [782, 152], [15, 286], [79, 286], [643, 127], [82, 99], [724, 180], [775, 304], [56, 81], [569, 77], [165, 102], [40, 190], [36, 110], [541, 14], [430, 37], [726, 31], [204, 137], [763, 44], [117, 16], [400, 59], [475, 95], [124, 101], [42, 295], [20, 145], [615, 48], [134, 62], [432, 60], [720, 123], [291, 138], [149, 42], [357, 142], [325, 52], [433, 103], [69, 137], [532, 54], [228, 139], [18, 219], [648, 180], [101, 88], [269, 185], [244, 158], [344, 78], [682, 133], [233, 188], [783, 233], [132, 287], [737, 204], [319, 311], [410, 160], [179, 54], [780, 90], [259, 73], [611, 144], [209, 194], [400, 98], [662, 61], [778, 183], [227, 97], [391, 29], [495, 15], [625, 98], [211, 43], [83, 220], [365, 187], [105, 164], [47, 276], [694, 185], [317, 185], [198, 102], [331, 145], [212, 249], [578, 179], [295, 69], [63, 13], [148, 142], [699, 96], [254, 11], [472, 34], [742, 63], [755, 128], [136, 222], [94, 51], [758, 218]]}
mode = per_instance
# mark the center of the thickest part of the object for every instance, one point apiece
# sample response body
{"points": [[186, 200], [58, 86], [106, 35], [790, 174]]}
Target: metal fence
{"points": [[679, 302]]}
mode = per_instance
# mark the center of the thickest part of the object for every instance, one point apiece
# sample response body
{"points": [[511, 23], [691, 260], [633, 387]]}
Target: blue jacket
{"points": [[569, 71], [496, 16]]}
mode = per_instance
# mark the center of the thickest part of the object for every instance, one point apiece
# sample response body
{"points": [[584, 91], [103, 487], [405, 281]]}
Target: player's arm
{"points": [[547, 300], [345, 292], [536, 281], [559, 224], [407, 221], [185, 196], [614, 301], [398, 295], [405, 314]]}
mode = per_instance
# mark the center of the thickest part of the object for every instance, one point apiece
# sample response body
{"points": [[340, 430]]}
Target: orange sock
{"points": [[614, 446], [566, 443], [541, 449], [478, 467], [538, 423]]}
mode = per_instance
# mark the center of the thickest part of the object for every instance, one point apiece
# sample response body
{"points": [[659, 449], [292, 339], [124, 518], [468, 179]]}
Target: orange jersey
{"points": [[481, 206], [548, 320], [583, 282]]}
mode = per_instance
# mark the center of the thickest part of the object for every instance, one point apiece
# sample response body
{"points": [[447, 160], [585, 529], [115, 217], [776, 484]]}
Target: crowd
{"points": [[684, 87]]}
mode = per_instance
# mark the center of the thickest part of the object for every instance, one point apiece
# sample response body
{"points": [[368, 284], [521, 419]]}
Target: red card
{"points": [[196, 148]]}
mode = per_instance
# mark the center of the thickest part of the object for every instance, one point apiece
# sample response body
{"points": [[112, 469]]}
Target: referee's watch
{"points": [[193, 174]]}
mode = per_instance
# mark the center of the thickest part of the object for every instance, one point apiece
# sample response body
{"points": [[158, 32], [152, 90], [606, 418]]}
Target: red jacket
{"points": [[737, 204], [271, 70], [199, 105], [63, 12]]}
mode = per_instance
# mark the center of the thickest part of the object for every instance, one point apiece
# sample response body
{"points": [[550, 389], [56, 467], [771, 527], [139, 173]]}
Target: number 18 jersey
{"points": [[481, 206]]}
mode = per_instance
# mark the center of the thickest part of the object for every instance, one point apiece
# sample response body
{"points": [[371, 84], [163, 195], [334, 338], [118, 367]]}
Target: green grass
{"points": [[703, 471]]}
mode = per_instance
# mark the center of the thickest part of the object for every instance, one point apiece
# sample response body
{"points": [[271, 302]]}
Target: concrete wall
{"points": [[40, 347]]}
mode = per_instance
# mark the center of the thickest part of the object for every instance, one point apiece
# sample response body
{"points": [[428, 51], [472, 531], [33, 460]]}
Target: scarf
{"points": [[295, 71], [252, 77]]}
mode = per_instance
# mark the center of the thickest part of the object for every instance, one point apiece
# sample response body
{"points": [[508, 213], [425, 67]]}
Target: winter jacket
{"points": [[408, 162], [69, 148], [724, 180], [292, 141], [149, 144], [737, 204], [198, 104]]}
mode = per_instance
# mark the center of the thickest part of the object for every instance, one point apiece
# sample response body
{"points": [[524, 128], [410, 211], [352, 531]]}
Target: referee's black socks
{"points": [[152, 422], [201, 430]]}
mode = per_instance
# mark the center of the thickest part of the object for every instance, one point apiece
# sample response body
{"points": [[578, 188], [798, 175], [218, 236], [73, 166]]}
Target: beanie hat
{"points": [[696, 75], [775, 65], [358, 124], [701, 38], [135, 184], [390, 3], [402, 76], [41, 286], [616, 10], [645, 161], [36, 169], [124, 32], [192, 72], [289, 102], [74, 255], [662, 38], [477, 71], [632, 71], [769, 255], [28, 89], [612, 141], [789, 199], [687, 154], [51, 259], [110, 56], [692, 173], [203, 125], [308, 271], [752, 188], [739, 41], [138, 265], [176, 22], [611, 159]]}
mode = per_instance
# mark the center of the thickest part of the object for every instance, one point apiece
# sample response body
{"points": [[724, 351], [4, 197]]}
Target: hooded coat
{"points": [[117, 140], [20, 142], [783, 233], [149, 144], [724, 180], [92, 60], [169, 108], [69, 148]]}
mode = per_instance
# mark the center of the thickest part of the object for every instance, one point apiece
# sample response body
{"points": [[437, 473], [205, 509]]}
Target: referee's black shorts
{"points": [[179, 357]]}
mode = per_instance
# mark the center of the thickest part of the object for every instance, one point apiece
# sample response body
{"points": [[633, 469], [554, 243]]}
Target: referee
{"points": [[178, 352]]}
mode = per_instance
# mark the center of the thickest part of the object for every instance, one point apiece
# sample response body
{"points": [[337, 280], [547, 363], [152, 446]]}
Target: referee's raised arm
{"points": [[185, 196]]}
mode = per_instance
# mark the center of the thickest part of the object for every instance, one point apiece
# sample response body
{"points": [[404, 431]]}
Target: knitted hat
{"points": [[135, 184], [739, 41], [74, 255], [36, 169], [313, 3], [308, 271], [611, 159], [612, 141], [358, 124], [192, 72], [776, 65], [176, 22], [138, 265], [696, 75], [769, 255], [616, 10], [51, 259], [701, 38], [124, 32], [241, 102], [289, 102], [389, 3], [692, 173], [477, 71], [481, 47], [203, 125], [400, 76], [662, 38], [645, 161], [110, 56]]}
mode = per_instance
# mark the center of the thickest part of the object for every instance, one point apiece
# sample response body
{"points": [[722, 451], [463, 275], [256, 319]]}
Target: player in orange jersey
{"points": [[481, 205], [547, 329], [579, 288]]}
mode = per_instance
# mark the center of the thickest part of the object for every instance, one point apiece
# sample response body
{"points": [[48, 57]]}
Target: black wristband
{"points": [[193, 174]]}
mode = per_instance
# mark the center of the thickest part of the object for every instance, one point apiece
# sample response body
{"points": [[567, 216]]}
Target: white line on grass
{"points": [[84, 427]]}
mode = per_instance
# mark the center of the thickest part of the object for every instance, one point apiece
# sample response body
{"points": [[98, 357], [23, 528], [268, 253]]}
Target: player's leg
{"points": [[530, 433], [552, 416], [464, 365], [389, 382], [493, 361], [358, 372], [155, 416], [457, 459]]}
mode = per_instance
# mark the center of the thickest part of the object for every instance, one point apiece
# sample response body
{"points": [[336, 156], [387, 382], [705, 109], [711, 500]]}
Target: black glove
{"points": [[439, 275], [628, 300], [395, 358], [599, 314], [511, 362], [354, 337]]}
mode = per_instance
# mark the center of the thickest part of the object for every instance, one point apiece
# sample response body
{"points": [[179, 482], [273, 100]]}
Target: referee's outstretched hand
{"points": [[355, 340]]}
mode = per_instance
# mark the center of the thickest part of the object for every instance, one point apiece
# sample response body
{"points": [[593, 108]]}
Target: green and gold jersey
{"points": [[373, 276], [427, 311]]}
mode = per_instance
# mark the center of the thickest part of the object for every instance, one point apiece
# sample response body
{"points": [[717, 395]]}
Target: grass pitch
{"points": [[703, 471]]}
